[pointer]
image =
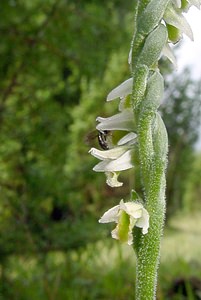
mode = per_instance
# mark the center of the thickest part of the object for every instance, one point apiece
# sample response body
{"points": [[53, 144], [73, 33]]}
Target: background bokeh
{"points": [[59, 59]]}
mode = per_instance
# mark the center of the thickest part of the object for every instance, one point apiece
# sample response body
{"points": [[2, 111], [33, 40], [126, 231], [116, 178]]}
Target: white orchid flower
{"points": [[122, 90], [119, 156], [110, 162], [126, 216], [121, 121]]}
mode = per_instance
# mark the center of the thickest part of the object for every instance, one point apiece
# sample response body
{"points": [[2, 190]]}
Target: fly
{"points": [[103, 137]]}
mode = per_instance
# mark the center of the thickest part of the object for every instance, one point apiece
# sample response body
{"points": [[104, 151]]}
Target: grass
{"points": [[105, 270]]}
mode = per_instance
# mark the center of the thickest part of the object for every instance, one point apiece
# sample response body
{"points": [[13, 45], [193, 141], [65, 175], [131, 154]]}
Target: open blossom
{"points": [[113, 161], [126, 216], [119, 156]]}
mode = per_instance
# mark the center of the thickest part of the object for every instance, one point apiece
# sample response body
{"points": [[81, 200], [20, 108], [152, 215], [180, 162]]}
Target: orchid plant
{"points": [[138, 131]]}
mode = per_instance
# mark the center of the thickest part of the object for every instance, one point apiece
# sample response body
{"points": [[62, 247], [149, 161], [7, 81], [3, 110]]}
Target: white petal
{"points": [[167, 51], [114, 233], [120, 164], [130, 232], [143, 222], [134, 209], [121, 90], [102, 166], [112, 179], [130, 238], [129, 139], [110, 215], [121, 121], [113, 153], [176, 19]]}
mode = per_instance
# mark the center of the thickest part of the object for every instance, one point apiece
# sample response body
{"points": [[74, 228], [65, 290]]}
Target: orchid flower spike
{"points": [[119, 155]]}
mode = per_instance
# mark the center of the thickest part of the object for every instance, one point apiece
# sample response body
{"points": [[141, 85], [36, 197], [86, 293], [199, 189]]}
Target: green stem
{"points": [[153, 165], [152, 142]]}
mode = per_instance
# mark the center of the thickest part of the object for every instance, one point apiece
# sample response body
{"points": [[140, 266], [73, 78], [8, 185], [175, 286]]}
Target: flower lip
{"points": [[112, 179], [113, 153], [123, 162]]}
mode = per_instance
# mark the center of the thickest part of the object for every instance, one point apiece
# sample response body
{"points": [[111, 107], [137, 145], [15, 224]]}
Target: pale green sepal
{"points": [[134, 195], [153, 46], [122, 90], [125, 103], [154, 92], [141, 77], [174, 17], [167, 51], [149, 20], [160, 139]]}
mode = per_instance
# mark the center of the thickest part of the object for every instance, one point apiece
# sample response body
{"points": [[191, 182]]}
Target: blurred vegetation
{"points": [[59, 59]]}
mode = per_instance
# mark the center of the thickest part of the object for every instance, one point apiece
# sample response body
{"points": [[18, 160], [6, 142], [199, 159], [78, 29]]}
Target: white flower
{"points": [[126, 215], [121, 121], [122, 90], [110, 162], [115, 160], [119, 155]]}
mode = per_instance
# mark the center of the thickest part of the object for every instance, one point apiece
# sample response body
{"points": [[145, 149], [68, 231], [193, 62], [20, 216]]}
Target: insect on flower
{"points": [[103, 137]]}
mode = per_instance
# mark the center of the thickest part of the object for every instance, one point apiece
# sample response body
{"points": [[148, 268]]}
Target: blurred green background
{"points": [[59, 59]]}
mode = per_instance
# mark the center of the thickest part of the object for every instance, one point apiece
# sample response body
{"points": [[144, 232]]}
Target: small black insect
{"points": [[102, 139]]}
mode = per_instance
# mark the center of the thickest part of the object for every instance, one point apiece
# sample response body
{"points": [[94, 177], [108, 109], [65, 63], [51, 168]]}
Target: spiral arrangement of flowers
{"points": [[138, 129]]}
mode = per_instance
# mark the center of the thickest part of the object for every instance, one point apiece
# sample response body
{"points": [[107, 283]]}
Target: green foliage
{"points": [[73, 275], [51, 52]]}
